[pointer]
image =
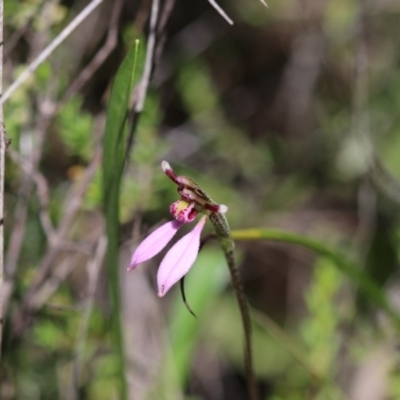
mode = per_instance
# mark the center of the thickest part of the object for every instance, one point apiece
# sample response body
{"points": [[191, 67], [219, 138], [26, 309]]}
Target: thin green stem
{"points": [[222, 230]]}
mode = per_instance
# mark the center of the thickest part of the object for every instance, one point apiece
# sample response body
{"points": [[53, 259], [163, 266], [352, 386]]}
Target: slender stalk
{"points": [[2, 174], [220, 11], [223, 233]]}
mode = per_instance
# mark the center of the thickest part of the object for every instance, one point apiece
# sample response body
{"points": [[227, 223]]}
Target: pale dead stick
{"points": [[2, 171], [151, 42], [220, 11], [50, 48], [223, 14]]}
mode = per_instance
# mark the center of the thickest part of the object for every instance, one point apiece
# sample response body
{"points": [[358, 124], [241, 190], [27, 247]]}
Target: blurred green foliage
{"points": [[237, 116], [320, 328], [74, 126]]}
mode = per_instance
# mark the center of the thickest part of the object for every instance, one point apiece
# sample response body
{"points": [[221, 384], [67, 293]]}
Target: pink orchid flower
{"points": [[182, 255]]}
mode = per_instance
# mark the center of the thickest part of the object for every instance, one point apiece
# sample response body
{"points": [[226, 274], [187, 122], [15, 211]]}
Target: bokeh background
{"points": [[290, 117]]}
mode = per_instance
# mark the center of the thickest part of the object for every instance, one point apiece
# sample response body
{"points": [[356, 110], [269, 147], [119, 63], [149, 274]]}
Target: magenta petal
{"points": [[154, 243], [179, 259]]}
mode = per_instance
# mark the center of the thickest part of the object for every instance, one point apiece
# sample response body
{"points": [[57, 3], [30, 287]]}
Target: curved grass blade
{"points": [[366, 284], [116, 122]]}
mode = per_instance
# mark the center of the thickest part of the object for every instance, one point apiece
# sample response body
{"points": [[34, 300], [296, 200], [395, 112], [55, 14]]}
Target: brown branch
{"points": [[161, 30], [50, 48], [21, 209], [42, 191], [50, 286], [15, 37], [220, 11], [58, 276], [100, 57], [42, 188], [75, 198]]}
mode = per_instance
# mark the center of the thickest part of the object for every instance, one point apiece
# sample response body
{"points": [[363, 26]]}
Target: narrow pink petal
{"points": [[179, 259], [154, 243]]}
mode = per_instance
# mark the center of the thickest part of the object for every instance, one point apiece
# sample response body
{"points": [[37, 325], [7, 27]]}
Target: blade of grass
{"points": [[113, 155], [116, 123], [357, 275]]}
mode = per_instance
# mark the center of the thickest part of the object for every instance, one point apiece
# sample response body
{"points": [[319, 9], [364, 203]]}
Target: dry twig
{"points": [[161, 34], [21, 210], [101, 55], [50, 286], [22, 316], [221, 11], [42, 191], [50, 48], [148, 66]]}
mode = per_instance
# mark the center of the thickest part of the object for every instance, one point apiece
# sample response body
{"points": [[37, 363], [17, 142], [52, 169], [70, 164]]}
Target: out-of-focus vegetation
{"points": [[290, 117]]}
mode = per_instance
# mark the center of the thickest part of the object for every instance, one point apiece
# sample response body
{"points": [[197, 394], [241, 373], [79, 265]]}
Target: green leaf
{"points": [[116, 123], [381, 261], [113, 161]]}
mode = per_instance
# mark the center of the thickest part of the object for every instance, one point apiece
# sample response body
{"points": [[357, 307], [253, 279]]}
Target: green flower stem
{"points": [[350, 269], [114, 148], [222, 230]]}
